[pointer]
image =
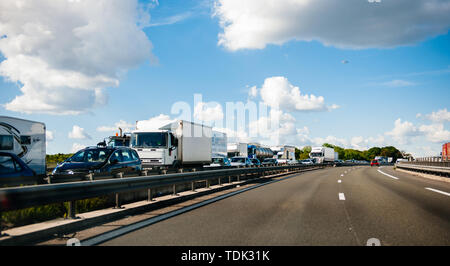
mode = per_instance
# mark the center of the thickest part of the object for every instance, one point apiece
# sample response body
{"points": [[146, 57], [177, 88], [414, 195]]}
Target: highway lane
{"points": [[314, 208]]}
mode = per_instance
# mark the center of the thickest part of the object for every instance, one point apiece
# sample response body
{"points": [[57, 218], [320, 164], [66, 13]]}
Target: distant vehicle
{"points": [[237, 149], [307, 161], [270, 161], [255, 161], [119, 140], [220, 161], [338, 162], [292, 162], [322, 154], [26, 139], [100, 160], [178, 144], [14, 170], [374, 162], [240, 161], [446, 151]]}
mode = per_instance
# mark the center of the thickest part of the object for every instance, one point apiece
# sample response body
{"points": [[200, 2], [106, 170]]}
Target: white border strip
{"points": [[391, 176], [438, 191]]}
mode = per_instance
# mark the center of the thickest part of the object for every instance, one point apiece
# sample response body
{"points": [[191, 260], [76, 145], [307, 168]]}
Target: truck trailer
{"points": [[178, 144], [322, 154], [26, 139], [237, 149]]}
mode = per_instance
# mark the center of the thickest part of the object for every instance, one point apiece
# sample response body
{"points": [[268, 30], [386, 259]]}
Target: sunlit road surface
{"points": [[335, 206]]}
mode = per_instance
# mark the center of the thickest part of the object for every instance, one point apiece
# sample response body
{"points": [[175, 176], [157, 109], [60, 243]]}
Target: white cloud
{"points": [[125, 126], [253, 92], [76, 147], [435, 133], [253, 24], [403, 131], [49, 135], [64, 54], [437, 117], [154, 123], [279, 93], [78, 133], [398, 83], [208, 112]]}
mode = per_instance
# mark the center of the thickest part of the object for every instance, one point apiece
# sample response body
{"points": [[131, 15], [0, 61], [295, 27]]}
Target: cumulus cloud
{"points": [[154, 123], [279, 93], [64, 54], [78, 133], [435, 133], [49, 135], [355, 24], [125, 126], [208, 111], [437, 117], [403, 131]]}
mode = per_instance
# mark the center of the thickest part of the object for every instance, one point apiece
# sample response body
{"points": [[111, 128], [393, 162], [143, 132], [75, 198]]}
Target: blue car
{"points": [[100, 160], [14, 171]]}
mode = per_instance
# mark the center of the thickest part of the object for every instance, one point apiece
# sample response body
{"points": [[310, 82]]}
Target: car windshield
{"points": [[90, 156], [238, 160], [269, 160], [217, 160], [149, 140], [316, 154]]}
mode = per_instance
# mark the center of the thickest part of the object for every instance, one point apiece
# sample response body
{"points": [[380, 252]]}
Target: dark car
{"points": [[269, 161], [255, 161], [101, 161], [14, 171]]}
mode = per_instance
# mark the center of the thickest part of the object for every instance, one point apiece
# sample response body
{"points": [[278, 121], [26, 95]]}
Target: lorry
{"points": [[237, 149], [256, 151], [178, 144], [284, 153], [219, 144], [119, 140], [322, 154], [26, 139], [446, 151]]}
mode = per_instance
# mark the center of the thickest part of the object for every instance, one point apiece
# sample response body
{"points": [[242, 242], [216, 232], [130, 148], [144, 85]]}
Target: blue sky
{"points": [[374, 83]]}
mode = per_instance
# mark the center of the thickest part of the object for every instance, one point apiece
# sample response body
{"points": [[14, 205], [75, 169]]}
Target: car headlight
{"points": [[70, 172]]}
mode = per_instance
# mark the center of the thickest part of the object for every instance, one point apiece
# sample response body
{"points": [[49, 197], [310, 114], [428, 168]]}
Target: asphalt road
{"points": [[314, 208]]}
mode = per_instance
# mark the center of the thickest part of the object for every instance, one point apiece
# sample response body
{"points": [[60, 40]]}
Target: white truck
{"points": [[322, 154], [237, 149], [284, 154], [218, 144], [177, 144], [26, 139]]}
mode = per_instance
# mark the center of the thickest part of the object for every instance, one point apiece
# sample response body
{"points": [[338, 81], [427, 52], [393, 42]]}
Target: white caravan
{"points": [[26, 139]]}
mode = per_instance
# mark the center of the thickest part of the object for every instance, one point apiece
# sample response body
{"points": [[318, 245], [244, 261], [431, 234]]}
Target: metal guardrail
{"points": [[441, 169], [428, 163], [30, 196]]}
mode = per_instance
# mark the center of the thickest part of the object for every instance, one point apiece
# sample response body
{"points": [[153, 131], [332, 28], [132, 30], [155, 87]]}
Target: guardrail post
{"points": [[118, 203], [72, 210], [174, 188], [219, 181], [192, 186], [149, 195]]}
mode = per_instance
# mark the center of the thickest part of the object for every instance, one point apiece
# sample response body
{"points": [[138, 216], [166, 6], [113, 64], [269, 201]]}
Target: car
{"points": [[100, 160], [269, 161], [240, 161], [307, 161], [14, 171], [255, 161], [220, 161], [292, 162], [374, 162]]}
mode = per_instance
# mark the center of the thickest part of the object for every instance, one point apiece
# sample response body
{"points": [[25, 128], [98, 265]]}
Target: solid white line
{"points": [[391, 176], [341, 196], [438, 191]]}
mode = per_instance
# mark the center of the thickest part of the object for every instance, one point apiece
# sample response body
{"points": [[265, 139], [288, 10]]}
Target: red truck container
{"points": [[446, 151]]}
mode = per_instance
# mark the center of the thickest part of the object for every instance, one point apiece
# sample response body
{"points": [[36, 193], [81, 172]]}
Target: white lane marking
{"points": [[438, 191], [339, 181], [341, 196], [391, 176]]}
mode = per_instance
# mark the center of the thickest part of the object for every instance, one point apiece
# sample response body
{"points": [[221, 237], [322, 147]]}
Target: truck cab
{"points": [[156, 148]]}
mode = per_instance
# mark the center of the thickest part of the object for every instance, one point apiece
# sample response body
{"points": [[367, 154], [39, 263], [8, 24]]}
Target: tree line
{"points": [[352, 154]]}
